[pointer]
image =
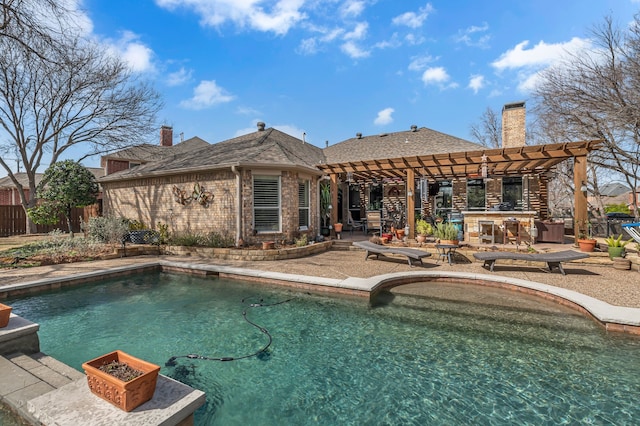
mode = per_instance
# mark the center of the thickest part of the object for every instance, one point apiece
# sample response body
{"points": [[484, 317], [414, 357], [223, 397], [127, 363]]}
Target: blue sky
{"points": [[334, 68]]}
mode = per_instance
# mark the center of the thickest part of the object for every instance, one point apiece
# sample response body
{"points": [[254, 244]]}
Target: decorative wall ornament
{"points": [[181, 196], [199, 195]]}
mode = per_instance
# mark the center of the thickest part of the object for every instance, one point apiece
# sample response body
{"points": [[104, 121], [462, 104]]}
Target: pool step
{"points": [[24, 377]]}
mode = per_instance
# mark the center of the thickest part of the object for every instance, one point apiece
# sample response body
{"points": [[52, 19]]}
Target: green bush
{"points": [[106, 229], [211, 239], [446, 231]]}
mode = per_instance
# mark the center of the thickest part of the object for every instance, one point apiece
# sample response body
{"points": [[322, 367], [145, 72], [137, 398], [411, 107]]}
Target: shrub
{"points": [[302, 241], [446, 231], [106, 229], [423, 227], [186, 239], [217, 240]]}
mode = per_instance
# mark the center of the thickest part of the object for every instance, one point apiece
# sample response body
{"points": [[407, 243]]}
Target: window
{"points": [[132, 165], [475, 194], [303, 204], [444, 198], [266, 203], [512, 192]]}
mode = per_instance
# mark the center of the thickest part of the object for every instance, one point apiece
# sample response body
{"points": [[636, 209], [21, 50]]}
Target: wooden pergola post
{"points": [[580, 198], [411, 209], [334, 198]]}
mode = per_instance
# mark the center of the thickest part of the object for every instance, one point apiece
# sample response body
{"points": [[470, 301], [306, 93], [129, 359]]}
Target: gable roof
{"points": [[147, 152], [268, 148], [415, 142], [23, 179]]}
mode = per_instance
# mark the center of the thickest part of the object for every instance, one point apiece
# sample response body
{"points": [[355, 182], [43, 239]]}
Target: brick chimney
{"points": [[166, 136], [513, 125]]}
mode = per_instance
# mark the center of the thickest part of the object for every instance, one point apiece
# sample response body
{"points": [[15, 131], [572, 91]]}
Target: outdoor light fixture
{"points": [[409, 193], [484, 165], [584, 188]]}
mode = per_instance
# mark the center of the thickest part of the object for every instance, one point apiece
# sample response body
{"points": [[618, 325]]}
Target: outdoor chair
{"points": [[633, 229], [354, 224]]}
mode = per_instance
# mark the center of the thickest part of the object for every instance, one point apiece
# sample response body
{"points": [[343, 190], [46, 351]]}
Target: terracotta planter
{"points": [[5, 314], [450, 242], [421, 238], [337, 227], [268, 245], [124, 395], [399, 234], [587, 245]]}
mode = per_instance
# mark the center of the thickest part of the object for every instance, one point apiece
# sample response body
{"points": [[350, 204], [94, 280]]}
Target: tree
{"points": [[488, 131], [595, 94], [59, 98], [66, 184]]}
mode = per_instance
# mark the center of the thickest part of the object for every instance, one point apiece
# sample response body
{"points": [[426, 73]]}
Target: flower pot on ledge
{"points": [[587, 245], [124, 395], [5, 314]]}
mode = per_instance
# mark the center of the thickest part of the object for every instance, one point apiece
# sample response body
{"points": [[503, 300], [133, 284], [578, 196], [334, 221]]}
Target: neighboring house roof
{"points": [[23, 179], [415, 142], [613, 189], [147, 152], [266, 148]]}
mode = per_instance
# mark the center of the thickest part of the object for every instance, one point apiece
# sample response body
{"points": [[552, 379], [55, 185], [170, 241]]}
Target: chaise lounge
{"points": [[378, 249], [552, 259]]}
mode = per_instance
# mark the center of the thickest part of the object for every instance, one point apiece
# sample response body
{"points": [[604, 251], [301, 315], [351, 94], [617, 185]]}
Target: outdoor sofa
{"points": [[378, 249], [553, 259]]}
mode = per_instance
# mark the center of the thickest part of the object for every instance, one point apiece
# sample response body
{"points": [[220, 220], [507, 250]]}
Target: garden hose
{"points": [[172, 361]]}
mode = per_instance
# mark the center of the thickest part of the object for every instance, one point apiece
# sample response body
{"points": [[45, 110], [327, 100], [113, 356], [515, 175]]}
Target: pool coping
{"points": [[611, 317]]}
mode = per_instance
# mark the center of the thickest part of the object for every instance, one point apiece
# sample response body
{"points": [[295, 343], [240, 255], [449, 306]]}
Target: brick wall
{"points": [[114, 166], [151, 200], [513, 125]]}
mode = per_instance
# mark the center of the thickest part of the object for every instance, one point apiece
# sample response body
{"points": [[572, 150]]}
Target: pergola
{"points": [[536, 159]]}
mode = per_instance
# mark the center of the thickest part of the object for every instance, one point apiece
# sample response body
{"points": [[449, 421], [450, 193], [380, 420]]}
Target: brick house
{"points": [[265, 185], [256, 187]]}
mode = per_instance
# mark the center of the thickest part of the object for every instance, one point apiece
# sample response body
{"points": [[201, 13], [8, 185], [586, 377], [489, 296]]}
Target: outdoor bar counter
{"points": [[489, 226]]}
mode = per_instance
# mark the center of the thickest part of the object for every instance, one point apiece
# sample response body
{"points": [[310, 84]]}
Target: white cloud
{"points": [[542, 54], [205, 95], [384, 117], [279, 18], [466, 36], [476, 82], [133, 52], [358, 33], [179, 77], [419, 63], [435, 75], [354, 51], [352, 8], [412, 19]]}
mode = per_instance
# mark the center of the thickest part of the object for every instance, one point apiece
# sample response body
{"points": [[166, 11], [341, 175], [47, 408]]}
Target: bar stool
{"points": [[486, 231]]}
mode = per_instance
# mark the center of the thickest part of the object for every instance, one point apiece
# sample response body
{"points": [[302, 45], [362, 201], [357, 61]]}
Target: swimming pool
{"points": [[441, 359]]}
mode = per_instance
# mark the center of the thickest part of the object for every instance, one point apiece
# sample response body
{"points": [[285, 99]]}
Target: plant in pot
{"points": [[121, 379], [615, 246], [447, 233], [585, 240], [325, 208], [423, 230], [137, 232]]}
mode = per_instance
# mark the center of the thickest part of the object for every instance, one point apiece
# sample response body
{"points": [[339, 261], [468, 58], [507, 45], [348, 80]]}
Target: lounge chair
{"points": [[633, 229], [378, 249], [552, 259]]}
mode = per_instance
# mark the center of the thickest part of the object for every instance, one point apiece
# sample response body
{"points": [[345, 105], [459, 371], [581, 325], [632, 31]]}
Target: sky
{"points": [[329, 69]]}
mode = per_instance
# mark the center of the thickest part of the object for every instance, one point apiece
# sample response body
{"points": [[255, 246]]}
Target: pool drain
{"points": [[261, 353]]}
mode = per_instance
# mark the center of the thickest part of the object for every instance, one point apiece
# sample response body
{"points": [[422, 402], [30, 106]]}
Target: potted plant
{"points": [[616, 246], [585, 241], [5, 314], [325, 208], [137, 232], [121, 379], [337, 227], [447, 233], [423, 230]]}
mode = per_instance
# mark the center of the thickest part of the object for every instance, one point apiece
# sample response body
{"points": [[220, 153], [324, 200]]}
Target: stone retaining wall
{"points": [[248, 254]]}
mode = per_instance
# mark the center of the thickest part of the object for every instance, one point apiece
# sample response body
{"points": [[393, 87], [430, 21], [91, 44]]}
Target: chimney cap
{"points": [[260, 125], [512, 105], [414, 128], [359, 135]]}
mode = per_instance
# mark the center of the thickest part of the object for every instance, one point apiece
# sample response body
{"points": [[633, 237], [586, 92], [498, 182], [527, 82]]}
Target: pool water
{"points": [[409, 360]]}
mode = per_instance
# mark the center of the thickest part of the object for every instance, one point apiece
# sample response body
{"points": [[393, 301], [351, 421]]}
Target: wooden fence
{"points": [[13, 221]]}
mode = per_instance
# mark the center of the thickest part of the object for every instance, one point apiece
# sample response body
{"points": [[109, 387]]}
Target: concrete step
{"points": [[24, 377]]}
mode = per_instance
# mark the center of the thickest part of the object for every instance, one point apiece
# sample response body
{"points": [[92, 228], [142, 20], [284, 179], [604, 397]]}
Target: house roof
{"points": [[23, 179], [147, 152], [269, 148], [415, 142], [614, 189]]}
